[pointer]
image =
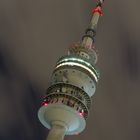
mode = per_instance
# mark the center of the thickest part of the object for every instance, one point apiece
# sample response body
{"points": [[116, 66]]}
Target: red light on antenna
{"points": [[97, 10]]}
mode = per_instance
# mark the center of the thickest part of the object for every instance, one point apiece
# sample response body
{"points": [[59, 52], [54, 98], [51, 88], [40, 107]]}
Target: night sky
{"points": [[34, 34]]}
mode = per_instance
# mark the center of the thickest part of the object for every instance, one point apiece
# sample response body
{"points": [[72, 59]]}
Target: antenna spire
{"points": [[88, 38]]}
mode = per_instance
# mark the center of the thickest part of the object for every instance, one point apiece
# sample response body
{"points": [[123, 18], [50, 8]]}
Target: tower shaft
{"points": [[57, 132]]}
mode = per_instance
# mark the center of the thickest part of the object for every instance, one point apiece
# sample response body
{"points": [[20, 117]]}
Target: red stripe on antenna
{"points": [[97, 10]]}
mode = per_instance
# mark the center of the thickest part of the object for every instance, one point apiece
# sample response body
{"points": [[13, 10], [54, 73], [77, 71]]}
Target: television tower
{"points": [[66, 106]]}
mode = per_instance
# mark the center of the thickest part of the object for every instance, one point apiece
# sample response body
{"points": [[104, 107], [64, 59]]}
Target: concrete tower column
{"points": [[57, 132]]}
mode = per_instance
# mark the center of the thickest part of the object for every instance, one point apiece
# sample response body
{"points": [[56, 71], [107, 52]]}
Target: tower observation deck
{"points": [[66, 105]]}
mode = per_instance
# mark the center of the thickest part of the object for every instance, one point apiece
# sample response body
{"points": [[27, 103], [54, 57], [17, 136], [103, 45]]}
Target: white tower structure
{"points": [[68, 99]]}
